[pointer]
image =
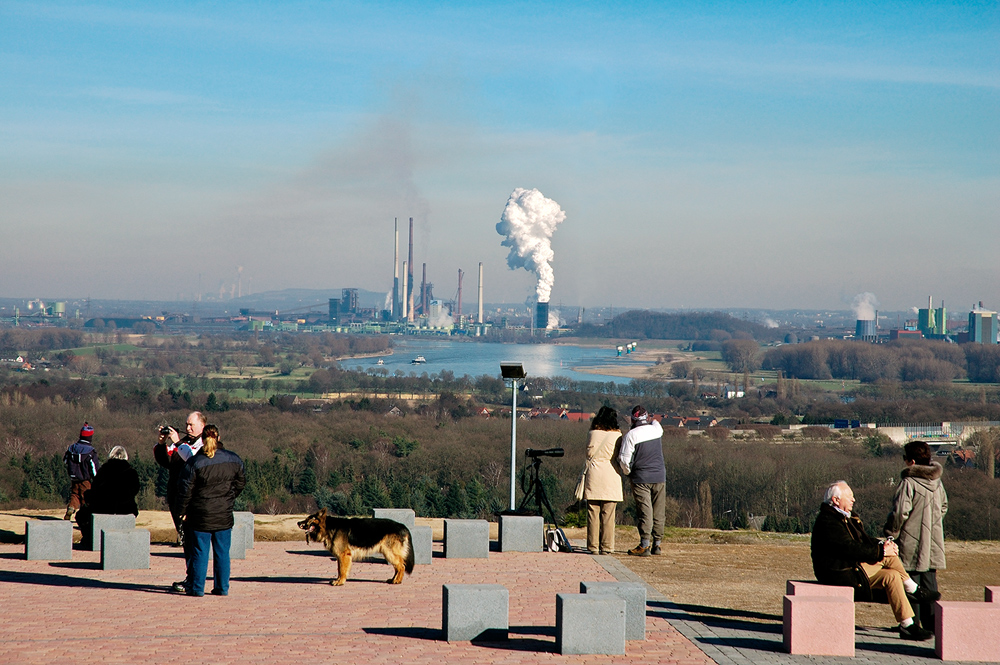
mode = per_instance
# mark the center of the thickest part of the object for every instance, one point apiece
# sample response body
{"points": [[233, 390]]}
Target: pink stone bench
{"points": [[968, 631], [818, 619]]}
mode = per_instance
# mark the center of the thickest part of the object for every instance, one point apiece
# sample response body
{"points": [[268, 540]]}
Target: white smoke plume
{"points": [[770, 323], [553, 321], [528, 222], [864, 306]]}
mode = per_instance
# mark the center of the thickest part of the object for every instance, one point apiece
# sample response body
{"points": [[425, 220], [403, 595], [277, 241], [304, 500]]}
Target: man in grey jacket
{"points": [[915, 522], [641, 460]]}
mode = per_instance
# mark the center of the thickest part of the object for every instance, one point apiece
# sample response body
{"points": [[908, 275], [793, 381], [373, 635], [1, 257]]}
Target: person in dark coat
{"points": [[82, 464], [209, 485], [843, 554], [113, 492], [172, 452]]}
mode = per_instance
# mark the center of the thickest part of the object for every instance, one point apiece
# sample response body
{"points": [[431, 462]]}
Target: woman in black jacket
{"points": [[208, 488], [113, 492]]}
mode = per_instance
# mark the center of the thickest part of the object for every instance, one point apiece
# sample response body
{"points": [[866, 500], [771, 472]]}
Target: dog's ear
{"points": [[321, 514]]}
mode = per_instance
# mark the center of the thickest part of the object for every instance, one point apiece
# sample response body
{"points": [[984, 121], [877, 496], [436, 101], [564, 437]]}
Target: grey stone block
{"points": [[404, 516], [522, 533], [108, 523], [590, 624], [246, 519], [474, 611], [237, 544], [48, 540], [634, 595], [423, 543], [466, 539], [124, 549]]}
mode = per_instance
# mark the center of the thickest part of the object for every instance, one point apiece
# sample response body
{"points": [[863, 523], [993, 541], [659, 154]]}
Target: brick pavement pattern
{"points": [[281, 609]]}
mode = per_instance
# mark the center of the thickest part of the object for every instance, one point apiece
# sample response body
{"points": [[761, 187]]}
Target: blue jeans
{"points": [[198, 561]]}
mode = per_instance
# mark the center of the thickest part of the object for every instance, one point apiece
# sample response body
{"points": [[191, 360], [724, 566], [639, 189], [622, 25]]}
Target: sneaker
{"points": [[607, 552], [922, 595], [217, 592], [656, 549], [915, 633], [179, 587], [639, 550]]}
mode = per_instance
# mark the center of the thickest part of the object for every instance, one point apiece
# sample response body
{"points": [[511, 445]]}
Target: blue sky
{"points": [[706, 155]]}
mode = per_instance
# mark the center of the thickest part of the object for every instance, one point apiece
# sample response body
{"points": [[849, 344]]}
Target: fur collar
{"points": [[931, 472]]}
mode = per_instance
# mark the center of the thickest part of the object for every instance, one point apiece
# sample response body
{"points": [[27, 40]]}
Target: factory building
{"points": [[983, 326]]}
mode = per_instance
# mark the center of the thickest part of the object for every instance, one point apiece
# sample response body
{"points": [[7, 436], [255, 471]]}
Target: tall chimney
{"points": [[480, 318], [408, 291], [423, 292], [459, 315], [394, 307], [405, 311]]}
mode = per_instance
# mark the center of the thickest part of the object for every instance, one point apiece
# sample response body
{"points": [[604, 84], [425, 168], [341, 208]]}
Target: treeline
{"points": [[910, 361], [351, 461], [15, 342], [710, 326]]}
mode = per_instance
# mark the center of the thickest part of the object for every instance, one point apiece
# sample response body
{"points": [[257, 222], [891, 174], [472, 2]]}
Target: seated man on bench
{"points": [[843, 554]]}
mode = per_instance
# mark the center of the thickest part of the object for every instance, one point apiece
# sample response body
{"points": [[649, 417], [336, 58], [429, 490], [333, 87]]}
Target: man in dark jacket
{"points": [[172, 452], [82, 465], [208, 488], [641, 460], [843, 554]]}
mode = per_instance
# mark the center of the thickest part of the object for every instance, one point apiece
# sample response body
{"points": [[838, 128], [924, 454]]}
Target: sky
{"points": [[706, 155]]}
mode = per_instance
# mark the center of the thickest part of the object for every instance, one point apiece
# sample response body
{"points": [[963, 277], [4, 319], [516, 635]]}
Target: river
{"points": [[477, 358]]}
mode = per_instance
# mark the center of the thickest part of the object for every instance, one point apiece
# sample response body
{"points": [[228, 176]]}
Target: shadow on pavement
{"points": [[899, 647], [77, 565], [716, 611], [11, 537], [433, 634], [744, 643], [48, 579], [510, 644]]}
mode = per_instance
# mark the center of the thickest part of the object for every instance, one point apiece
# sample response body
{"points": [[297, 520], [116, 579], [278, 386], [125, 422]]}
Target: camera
{"points": [[548, 452]]}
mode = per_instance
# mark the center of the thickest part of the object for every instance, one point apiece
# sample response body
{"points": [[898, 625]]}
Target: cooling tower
{"points": [[865, 330], [542, 315]]}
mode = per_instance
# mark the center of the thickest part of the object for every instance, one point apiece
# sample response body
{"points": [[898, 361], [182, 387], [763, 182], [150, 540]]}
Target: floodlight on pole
{"points": [[513, 371]]}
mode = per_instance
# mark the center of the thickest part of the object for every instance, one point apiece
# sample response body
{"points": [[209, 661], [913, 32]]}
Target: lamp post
{"points": [[512, 371]]}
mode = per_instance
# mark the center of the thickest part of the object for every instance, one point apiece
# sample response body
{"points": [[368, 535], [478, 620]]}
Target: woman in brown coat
{"points": [[602, 487]]}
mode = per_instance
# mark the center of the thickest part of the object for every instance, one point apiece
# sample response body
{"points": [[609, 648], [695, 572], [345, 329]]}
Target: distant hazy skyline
{"points": [[758, 155]]}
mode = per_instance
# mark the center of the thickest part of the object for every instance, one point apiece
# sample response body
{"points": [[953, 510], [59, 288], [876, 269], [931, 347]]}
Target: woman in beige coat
{"points": [[915, 521], [602, 487]]}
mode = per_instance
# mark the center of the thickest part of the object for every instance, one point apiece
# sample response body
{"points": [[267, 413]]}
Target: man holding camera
{"points": [[171, 452], [843, 554], [641, 461]]}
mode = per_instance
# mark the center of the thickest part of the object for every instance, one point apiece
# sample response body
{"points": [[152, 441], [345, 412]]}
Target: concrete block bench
{"points": [[48, 540], [474, 612], [992, 594], [590, 624], [404, 516], [968, 631], [818, 619], [124, 549], [102, 522], [423, 544], [246, 519], [466, 539], [634, 595], [521, 533], [237, 544]]}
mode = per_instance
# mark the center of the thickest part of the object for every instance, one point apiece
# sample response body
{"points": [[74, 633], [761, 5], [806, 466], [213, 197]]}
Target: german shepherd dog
{"points": [[346, 537]]}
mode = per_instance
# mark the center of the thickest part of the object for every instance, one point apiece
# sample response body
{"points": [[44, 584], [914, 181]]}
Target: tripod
{"points": [[535, 490]]}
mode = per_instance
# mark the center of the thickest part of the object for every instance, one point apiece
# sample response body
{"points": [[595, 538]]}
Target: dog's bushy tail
{"points": [[408, 544]]}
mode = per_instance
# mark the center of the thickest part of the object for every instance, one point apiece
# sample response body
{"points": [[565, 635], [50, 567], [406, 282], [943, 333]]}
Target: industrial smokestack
{"points": [[423, 292], [394, 310], [480, 319], [542, 315], [459, 314], [405, 311], [409, 277]]}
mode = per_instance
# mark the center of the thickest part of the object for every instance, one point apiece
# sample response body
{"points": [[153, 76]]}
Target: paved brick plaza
{"points": [[281, 609]]}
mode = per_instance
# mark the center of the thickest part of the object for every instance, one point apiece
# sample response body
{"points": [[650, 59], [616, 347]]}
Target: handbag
{"points": [[578, 492]]}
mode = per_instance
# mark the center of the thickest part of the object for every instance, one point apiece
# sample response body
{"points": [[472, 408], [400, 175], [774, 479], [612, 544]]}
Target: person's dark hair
{"points": [[917, 452], [606, 419]]}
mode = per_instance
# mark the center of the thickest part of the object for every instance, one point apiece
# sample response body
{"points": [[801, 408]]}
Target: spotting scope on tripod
{"points": [[532, 486]]}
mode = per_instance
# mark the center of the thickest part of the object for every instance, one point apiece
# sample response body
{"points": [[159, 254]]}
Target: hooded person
{"points": [[641, 461], [916, 522], [82, 464]]}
